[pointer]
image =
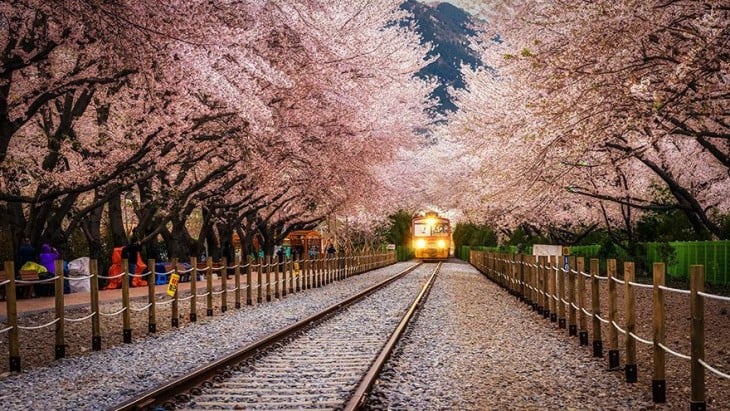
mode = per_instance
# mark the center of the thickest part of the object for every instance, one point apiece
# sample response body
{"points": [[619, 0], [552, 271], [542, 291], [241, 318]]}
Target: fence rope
{"points": [[603, 320], [4, 330], [202, 295], [4, 282], [184, 298], [674, 353], [114, 313], [676, 290], [602, 277], [621, 330], [618, 281], [141, 308], [714, 370], [637, 338], [218, 292], [641, 285], [83, 277], [43, 281], [586, 312], [713, 296], [165, 302], [38, 327], [75, 320], [111, 277]]}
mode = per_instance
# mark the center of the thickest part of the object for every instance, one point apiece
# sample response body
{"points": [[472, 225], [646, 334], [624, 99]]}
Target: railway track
{"points": [[326, 361]]}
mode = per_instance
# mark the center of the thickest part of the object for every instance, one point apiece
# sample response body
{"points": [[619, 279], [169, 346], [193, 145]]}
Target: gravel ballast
{"points": [[473, 347], [100, 380], [476, 347]]}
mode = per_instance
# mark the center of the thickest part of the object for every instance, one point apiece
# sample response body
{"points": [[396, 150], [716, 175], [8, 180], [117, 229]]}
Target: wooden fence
{"points": [[556, 288], [275, 279]]}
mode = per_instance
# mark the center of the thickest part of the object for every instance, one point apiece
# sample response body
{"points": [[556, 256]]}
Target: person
{"points": [[47, 258], [135, 264], [26, 252], [115, 269], [330, 249]]}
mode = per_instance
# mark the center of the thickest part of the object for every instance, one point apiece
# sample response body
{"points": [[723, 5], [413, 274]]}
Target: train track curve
{"points": [[326, 361]]}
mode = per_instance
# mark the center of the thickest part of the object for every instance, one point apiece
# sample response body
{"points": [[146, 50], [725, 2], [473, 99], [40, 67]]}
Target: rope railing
{"points": [[714, 370], [674, 353], [556, 286], [115, 313], [675, 290], [283, 276], [38, 327], [76, 320]]}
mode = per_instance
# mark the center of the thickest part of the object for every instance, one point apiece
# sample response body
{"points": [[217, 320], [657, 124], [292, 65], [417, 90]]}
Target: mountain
{"points": [[448, 29]]}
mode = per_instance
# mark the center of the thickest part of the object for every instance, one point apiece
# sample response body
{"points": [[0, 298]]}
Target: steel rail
{"points": [[357, 400], [163, 394]]}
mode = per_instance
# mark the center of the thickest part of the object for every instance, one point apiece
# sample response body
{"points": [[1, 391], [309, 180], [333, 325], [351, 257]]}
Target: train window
{"points": [[421, 229]]}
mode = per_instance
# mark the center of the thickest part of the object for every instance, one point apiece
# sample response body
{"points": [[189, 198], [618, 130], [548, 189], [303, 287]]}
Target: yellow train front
{"points": [[431, 236]]}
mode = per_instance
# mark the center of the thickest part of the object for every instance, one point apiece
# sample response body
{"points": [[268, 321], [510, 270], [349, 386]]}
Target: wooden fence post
{"points": [[284, 275], [290, 270], [94, 295], [249, 289], [552, 285], [582, 319], [521, 275], [194, 290], [12, 312], [175, 305], [152, 310], [60, 349], [267, 272], [277, 277], [126, 314], [545, 286], [658, 383], [561, 294], [237, 283], [613, 357], [223, 272], [572, 317], [209, 287], [260, 281], [697, 337], [596, 308], [630, 317]]}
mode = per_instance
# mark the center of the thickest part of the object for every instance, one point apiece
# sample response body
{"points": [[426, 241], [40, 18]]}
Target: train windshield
{"points": [[424, 229]]}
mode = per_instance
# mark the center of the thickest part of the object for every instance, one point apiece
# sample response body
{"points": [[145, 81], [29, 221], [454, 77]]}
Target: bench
{"points": [[26, 290]]}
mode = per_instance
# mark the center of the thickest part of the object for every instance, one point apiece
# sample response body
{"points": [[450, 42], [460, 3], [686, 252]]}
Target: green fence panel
{"points": [[713, 255]]}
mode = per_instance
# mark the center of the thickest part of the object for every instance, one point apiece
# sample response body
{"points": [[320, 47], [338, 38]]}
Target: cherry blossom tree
{"points": [[590, 111]]}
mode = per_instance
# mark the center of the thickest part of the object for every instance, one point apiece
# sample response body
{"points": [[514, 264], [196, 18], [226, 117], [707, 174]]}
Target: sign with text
{"points": [[172, 285]]}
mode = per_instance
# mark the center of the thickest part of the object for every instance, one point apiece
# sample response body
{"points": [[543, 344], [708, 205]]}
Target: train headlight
{"points": [[421, 243], [442, 244]]}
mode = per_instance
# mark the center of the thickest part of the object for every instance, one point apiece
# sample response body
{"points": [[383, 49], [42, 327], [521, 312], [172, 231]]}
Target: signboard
{"points": [[172, 285], [391, 247], [566, 263]]}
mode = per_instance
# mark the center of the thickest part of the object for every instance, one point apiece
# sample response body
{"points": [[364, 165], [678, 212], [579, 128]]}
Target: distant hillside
{"points": [[447, 28]]}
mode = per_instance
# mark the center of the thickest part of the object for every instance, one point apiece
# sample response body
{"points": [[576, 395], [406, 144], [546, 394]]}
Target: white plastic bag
{"points": [[79, 268]]}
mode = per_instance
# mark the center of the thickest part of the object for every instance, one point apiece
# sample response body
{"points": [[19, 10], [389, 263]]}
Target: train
{"points": [[431, 236]]}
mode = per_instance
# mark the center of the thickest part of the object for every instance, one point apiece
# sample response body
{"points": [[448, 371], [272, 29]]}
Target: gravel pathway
{"points": [[475, 347], [102, 379]]}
